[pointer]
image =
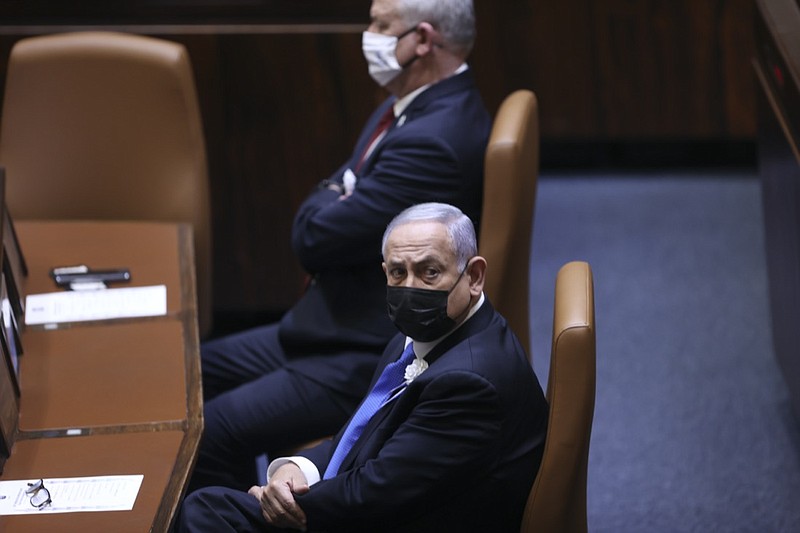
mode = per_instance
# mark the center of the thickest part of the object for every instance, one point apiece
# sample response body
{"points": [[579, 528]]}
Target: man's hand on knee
{"points": [[277, 498]]}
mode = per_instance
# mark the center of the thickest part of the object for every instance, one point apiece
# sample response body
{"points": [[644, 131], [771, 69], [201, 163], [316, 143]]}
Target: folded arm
{"points": [[331, 232]]}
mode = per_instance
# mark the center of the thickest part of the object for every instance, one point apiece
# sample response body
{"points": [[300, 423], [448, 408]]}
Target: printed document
{"points": [[71, 495]]}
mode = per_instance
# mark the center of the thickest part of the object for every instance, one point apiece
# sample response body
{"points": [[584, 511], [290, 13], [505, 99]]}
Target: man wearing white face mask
{"points": [[380, 53], [284, 384]]}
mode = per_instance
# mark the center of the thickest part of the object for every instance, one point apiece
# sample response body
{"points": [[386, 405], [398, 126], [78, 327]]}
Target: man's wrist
{"points": [[331, 186], [308, 468]]}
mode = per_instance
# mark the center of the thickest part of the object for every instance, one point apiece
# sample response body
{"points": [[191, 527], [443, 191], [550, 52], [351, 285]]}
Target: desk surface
{"points": [[155, 254], [156, 455], [103, 375], [110, 397]]}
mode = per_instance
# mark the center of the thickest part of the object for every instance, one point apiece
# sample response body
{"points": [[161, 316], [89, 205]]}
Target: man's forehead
{"points": [[422, 230], [420, 238], [383, 9]]}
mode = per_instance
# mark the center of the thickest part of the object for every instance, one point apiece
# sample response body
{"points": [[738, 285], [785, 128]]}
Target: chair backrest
{"points": [[557, 501], [104, 125], [511, 170]]}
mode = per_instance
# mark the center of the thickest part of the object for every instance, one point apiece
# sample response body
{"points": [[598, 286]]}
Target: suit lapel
{"points": [[437, 91], [366, 133], [434, 93], [477, 323]]}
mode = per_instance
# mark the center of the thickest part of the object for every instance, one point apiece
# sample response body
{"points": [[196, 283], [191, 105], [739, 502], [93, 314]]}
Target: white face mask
{"points": [[379, 51]]}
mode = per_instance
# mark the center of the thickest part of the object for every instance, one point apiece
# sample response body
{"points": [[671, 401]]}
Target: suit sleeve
{"points": [[446, 441], [410, 169]]}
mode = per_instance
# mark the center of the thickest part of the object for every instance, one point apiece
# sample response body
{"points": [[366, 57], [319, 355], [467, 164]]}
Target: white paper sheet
{"points": [[73, 495], [105, 304]]}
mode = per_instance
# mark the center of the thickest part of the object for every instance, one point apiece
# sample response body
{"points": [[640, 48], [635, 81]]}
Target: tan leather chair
{"points": [[557, 501], [101, 125], [511, 169]]}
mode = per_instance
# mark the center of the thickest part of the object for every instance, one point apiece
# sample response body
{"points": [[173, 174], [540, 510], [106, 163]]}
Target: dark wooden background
{"points": [[284, 91]]}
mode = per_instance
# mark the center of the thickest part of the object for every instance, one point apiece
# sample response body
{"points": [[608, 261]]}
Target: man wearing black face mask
{"points": [[449, 437]]}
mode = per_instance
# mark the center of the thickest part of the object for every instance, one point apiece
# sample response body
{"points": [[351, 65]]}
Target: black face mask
{"points": [[420, 313]]}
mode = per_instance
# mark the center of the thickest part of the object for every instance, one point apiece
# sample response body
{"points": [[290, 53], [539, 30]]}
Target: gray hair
{"points": [[454, 19], [459, 228]]}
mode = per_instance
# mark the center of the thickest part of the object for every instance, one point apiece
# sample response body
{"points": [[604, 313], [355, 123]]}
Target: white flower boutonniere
{"points": [[417, 367]]}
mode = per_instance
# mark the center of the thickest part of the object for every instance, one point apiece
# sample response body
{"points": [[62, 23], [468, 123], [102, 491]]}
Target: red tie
{"points": [[383, 125]]}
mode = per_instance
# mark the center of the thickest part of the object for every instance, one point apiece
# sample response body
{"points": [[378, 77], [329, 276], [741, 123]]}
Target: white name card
{"points": [[104, 304]]}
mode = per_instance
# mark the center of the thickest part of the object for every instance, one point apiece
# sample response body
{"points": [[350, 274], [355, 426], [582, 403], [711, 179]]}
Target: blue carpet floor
{"points": [[693, 429]]}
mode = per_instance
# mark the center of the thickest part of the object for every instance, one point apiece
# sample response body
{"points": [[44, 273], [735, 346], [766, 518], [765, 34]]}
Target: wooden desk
{"points": [[155, 253], [156, 455], [143, 376], [110, 397]]}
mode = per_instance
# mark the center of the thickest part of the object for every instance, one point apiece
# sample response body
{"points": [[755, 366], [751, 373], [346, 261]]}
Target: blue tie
{"points": [[391, 378]]}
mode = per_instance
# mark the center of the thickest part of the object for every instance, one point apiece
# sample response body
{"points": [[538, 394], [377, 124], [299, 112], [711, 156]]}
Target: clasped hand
{"points": [[277, 497]]}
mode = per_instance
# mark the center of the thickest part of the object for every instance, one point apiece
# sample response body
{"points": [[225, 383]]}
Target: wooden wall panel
{"points": [[667, 66], [276, 126], [623, 69], [183, 12], [282, 108], [544, 46], [738, 45]]}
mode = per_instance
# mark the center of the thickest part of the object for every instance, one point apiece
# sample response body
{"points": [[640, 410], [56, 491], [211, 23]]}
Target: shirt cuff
{"points": [[331, 185], [308, 468]]}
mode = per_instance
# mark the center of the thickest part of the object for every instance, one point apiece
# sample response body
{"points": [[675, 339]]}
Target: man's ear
{"points": [[428, 38], [476, 270], [383, 266]]}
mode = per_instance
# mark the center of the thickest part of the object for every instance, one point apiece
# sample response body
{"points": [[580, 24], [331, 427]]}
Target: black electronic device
{"points": [[78, 276]]}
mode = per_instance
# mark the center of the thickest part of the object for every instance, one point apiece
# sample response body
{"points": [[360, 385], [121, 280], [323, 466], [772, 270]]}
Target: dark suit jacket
{"points": [[458, 450], [433, 152]]}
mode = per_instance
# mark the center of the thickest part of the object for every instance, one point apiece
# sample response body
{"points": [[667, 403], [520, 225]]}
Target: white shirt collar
{"points": [[402, 104]]}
